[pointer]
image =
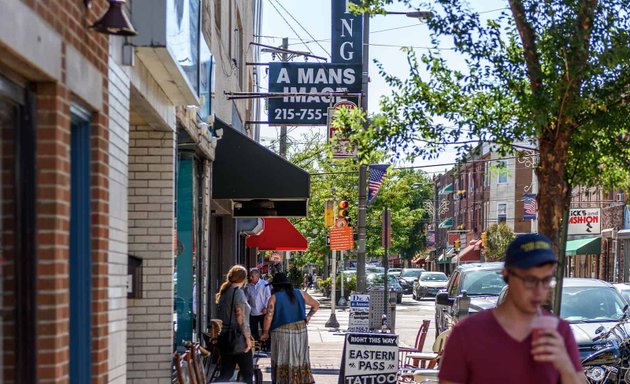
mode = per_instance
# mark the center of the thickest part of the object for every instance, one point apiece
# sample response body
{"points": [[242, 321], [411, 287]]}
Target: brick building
{"points": [[55, 269]]}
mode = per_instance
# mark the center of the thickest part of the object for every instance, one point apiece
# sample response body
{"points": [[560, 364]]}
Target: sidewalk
{"points": [[326, 346]]}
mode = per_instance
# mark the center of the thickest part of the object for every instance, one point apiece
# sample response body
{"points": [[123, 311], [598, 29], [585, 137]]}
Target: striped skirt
{"points": [[290, 363]]}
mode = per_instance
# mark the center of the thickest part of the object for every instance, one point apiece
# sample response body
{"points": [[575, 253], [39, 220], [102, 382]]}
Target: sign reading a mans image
{"points": [[369, 358], [307, 87]]}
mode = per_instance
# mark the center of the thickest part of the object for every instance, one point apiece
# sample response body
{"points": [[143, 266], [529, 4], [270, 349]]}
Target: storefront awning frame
{"points": [[258, 182], [586, 246]]}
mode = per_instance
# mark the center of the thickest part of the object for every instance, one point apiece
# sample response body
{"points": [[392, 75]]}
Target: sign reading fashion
{"points": [[369, 358], [347, 38], [308, 86], [584, 221]]}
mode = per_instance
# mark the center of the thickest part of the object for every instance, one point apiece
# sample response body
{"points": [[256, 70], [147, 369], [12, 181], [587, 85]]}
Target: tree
{"points": [[404, 191], [498, 238], [553, 72]]}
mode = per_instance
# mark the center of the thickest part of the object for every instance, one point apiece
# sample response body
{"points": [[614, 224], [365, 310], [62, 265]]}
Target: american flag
{"points": [[530, 206], [377, 174]]}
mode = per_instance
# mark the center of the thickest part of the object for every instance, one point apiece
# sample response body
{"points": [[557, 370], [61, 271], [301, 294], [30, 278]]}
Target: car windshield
{"points": [[411, 272], [591, 304], [377, 279], [428, 276], [484, 282]]}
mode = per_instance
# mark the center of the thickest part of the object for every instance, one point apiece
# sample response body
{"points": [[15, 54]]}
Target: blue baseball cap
{"points": [[529, 251]]}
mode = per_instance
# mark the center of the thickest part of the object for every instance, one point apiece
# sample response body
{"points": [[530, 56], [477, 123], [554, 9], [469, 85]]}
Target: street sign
{"points": [[341, 222], [329, 213], [341, 238], [359, 320], [386, 228], [302, 79], [369, 358], [584, 221]]}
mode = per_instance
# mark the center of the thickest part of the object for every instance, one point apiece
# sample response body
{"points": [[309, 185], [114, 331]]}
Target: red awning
{"points": [[279, 235], [471, 253]]}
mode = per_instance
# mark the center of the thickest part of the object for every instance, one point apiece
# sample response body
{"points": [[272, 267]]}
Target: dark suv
{"points": [[481, 283]]}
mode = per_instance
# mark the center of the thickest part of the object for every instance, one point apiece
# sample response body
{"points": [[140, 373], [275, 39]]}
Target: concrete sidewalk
{"points": [[326, 345]]}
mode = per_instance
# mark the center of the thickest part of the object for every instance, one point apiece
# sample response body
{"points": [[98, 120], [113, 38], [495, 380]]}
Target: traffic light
{"points": [[457, 245], [484, 239], [342, 210]]}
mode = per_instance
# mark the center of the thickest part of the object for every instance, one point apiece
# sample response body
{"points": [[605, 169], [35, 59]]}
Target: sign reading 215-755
{"points": [[307, 91]]}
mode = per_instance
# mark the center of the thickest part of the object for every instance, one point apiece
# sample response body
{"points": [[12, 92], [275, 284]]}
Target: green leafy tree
{"points": [[553, 72], [499, 237], [404, 191]]}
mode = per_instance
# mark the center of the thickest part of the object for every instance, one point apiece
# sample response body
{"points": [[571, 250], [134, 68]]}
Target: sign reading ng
{"points": [[346, 33]]}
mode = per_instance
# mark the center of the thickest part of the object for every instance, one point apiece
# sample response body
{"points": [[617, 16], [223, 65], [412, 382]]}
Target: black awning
{"points": [[259, 182]]}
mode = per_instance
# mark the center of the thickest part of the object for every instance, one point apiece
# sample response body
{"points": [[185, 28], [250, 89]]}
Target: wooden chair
{"points": [[429, 359], [184, 369], [421, 336]]}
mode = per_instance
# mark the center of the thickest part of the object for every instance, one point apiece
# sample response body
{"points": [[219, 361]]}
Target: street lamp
{"points": [[422, 15], [362, 208]]}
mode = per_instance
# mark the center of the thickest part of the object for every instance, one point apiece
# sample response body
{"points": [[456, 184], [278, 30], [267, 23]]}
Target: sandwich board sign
{"points": [[369, 358], [359, 320]]}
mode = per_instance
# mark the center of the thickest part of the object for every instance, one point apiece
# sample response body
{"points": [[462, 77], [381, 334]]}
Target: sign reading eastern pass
{"points": [[369, 358], [308, 83]]}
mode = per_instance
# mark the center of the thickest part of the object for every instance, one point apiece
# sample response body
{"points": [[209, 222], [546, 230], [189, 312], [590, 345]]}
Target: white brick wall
{"points": [[151, 222], [117, 254]]}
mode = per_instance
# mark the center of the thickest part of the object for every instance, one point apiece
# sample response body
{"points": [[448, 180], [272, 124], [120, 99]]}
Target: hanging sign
{"points": [[302, 79], [347, 29], [369, 358], [584, 221], [341, 238]]}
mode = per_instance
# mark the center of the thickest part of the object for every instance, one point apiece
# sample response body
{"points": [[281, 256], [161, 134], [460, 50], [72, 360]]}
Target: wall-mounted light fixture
{"points": [[115, 21]]}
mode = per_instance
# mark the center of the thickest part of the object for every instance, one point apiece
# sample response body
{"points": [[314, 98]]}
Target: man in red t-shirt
{"points": [[496, 346]]}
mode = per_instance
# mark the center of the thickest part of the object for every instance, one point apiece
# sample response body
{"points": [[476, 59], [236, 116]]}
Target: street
{"points": [[326, 345]]}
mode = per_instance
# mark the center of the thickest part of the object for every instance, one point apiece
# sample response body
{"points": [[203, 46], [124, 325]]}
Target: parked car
{"points": [[624, 289], [375, 280], [588, 304], [408, 276], [429, 284], [481, 282], [394, 271]]}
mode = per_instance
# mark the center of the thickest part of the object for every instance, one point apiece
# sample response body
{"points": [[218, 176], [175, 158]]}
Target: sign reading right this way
{"points": [[369, 358]]}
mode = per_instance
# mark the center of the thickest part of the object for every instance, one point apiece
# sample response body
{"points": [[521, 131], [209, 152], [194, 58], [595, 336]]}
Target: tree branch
{"points": [[528, 39]]}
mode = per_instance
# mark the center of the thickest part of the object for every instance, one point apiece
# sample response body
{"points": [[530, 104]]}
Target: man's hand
{"points": [[264, 336], [550, 348]]}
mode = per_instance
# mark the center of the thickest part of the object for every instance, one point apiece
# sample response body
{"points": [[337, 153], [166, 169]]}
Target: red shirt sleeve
{"points": [[453, 365], [569, 342]]}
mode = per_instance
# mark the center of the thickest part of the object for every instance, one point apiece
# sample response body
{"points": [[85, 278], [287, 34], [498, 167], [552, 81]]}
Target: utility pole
{"points": [[284, 57], [361, 230]]}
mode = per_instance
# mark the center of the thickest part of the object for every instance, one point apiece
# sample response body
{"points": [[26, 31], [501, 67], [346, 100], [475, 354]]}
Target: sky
{"points": [[307, 24]]}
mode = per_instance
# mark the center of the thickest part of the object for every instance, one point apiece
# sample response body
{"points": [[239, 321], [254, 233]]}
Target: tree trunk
{"points": [[554, 194]]}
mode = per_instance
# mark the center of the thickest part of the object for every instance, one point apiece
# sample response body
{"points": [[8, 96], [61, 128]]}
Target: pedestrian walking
{"points": [[285, 318], [258, 293], [233, 310], [517, 342]]}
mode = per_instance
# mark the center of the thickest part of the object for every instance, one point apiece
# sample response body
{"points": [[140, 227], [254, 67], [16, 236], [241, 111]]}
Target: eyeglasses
{"points": [[531, 282]]}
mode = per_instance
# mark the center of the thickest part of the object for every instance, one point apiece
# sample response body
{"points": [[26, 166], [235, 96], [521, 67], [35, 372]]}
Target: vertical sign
{"points": [[347, 29], [359, 313]]}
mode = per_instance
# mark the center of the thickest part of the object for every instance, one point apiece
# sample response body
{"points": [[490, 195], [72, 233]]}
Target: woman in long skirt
{"points": [[286, 319]]}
